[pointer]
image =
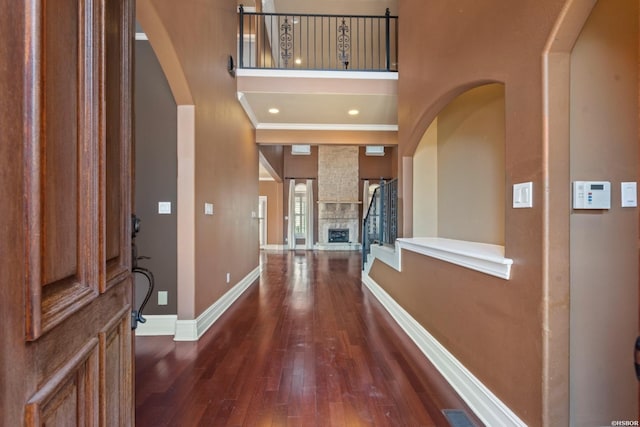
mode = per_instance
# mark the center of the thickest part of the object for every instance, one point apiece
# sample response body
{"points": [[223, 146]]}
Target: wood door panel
{"points": [[70, 397], [66, 285], [115, 371], [59, 144], [117, 124], [113, 59], [62, 203], [50, 352]]}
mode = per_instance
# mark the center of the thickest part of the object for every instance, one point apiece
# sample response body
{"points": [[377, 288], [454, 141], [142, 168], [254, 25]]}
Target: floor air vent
{"points": [[458, 418]]}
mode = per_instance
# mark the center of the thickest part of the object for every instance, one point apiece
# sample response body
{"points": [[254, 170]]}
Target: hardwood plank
{"points": [[306, 346]]}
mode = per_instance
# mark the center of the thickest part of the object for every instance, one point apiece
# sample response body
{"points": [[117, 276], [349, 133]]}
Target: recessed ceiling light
{"points": [[274, 110], [354, 112]]}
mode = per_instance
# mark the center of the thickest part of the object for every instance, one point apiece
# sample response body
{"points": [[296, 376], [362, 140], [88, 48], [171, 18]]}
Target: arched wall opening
{"points": [[459, 170]]}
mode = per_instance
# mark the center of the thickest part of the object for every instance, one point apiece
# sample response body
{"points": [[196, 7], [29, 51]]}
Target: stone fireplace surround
{"points": [[338, 204]]}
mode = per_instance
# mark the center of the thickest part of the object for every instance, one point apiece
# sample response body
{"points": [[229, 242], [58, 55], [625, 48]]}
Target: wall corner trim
{"points": [[157, 324], [193, 329], [491, 410]]}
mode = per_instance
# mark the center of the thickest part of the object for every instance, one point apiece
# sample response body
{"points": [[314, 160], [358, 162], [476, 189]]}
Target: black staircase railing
{"points": [[380, 224], [317, 42]]}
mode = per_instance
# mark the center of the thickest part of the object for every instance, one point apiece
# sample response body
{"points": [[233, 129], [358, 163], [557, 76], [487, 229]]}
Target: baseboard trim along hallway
{"points": [[192, 330], [491, 410], [157, 324]]}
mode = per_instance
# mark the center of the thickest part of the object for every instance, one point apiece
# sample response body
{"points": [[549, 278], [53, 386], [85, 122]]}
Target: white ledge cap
{"points": [[483, 257]]}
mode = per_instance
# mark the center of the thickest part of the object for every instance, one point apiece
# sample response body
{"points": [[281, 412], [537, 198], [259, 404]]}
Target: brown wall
{"points": [[301, 166], [202, 35], [275, 213], [374, 168], [155, 171], [514, 335], [484, 321], [604, 261]]}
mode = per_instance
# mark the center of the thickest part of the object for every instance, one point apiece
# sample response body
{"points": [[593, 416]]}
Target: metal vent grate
{"points": [[458, 418]]}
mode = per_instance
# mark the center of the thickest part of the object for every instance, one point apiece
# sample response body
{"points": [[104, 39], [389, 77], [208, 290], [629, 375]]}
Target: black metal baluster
{"points": [[241, 40]]}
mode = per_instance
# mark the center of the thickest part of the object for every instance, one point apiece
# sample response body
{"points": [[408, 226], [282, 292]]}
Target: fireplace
{"points": [[338, 235]]}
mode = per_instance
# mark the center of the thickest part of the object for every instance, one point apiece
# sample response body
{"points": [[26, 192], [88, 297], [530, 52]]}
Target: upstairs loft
{"points": [[311, 78], [287, 41]]}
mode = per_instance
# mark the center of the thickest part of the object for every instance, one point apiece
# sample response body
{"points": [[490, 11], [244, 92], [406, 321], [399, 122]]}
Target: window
{"points": [[300, 211]]}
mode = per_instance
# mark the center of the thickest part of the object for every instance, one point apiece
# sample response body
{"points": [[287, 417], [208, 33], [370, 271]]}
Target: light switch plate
{"points": [[523, 195], [164, 208], [163, 297], [208, 208], [629, 194]]}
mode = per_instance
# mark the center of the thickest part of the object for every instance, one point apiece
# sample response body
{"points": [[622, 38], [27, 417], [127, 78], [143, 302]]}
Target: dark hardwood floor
{"points": [[306, 346]]}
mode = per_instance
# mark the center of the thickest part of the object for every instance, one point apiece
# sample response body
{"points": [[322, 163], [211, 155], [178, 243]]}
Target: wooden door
{"points": [[65, 183]]}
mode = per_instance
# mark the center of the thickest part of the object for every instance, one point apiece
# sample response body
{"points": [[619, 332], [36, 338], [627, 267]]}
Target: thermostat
{"points": [[591, 195]]}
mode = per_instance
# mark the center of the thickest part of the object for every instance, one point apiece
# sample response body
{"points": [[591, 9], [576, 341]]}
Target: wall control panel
{"points": [[591, 195], [629, 192]]}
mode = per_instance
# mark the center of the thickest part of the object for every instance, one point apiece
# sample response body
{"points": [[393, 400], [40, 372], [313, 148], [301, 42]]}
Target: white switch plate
{"points": [[228, 277], [164, 208], [629, 192], [163, 297], [208, 208], [523, 195]]}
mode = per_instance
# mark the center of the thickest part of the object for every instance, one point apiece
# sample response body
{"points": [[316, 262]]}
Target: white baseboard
{"points": [[491, 410], [337, 246], [273, 247], [192, 330], [157, 324]]}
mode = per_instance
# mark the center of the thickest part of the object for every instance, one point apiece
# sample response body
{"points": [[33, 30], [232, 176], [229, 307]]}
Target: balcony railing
{"points": [[317, 42], [380, 225]]}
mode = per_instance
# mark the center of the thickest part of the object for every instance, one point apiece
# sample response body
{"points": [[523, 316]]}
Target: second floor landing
{"points": [[308, 77]]}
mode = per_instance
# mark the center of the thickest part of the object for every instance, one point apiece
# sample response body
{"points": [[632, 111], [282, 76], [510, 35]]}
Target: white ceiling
{"points": [[305, 102], [324, 108]]}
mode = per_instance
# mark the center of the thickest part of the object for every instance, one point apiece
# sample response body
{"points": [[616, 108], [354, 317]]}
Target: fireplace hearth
{"points": [[338, 235]]}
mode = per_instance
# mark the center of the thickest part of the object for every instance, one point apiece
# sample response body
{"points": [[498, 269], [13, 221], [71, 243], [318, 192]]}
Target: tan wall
{"points": [[202, 34], [275, 214], [604, 261], [425, 184], [471, 189]]}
